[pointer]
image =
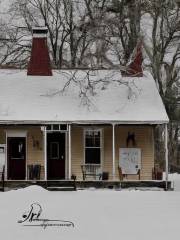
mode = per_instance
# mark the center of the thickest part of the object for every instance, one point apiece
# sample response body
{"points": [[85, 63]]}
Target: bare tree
{"points": [[124, 27], [164, 55], [88, 83]]}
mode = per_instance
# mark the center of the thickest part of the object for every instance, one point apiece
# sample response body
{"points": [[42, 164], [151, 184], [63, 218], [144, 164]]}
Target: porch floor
{"points": [[73, 185]]}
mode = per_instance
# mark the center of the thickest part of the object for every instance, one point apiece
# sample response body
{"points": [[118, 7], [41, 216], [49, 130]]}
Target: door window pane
{"points": [[17, 149], [54, 150]]}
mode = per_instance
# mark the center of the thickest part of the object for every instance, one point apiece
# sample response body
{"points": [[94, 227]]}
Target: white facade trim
{"points": [[45, 153], [166, 154], [6, 170], [69, 152], [113, 152], [85, 122], [16, 133]]}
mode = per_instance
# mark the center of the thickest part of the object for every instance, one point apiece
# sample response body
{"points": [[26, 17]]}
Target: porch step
{"points": [[61, 188], [61, 185], [1, 187]]}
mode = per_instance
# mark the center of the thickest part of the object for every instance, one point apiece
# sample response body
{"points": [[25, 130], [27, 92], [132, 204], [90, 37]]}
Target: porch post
{"points": [[6, 158], [166, 154], [69, 153], [113, 152], [45, 154]]}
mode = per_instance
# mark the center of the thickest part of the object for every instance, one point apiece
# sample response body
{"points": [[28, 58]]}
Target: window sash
{"points": [[93, 150], [92, 138]]}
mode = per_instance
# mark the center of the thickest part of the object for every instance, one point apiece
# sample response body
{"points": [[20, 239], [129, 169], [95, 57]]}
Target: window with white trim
{"points": [[92, 146]]}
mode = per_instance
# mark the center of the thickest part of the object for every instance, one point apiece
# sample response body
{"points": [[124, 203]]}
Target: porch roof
{"points": [[102, 96]]}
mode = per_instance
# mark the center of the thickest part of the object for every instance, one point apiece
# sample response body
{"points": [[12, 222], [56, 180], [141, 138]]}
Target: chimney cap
{"points": [[40, 31]]}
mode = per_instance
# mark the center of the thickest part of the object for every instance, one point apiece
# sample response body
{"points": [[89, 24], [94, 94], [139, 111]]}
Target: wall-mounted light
{"points": [[131, 138]]}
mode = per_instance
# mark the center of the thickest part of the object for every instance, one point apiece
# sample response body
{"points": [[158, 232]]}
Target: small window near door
{"points": [[54, 150], [92, 147], [18, 150]]}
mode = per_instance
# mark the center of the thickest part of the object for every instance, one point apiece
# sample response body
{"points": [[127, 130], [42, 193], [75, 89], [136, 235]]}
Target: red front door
{"points": [[16, 152], [56, 155]]}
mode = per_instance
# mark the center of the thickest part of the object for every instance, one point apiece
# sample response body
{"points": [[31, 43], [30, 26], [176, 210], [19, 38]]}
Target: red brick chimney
{"points": [[134, 69], [39, 64]]}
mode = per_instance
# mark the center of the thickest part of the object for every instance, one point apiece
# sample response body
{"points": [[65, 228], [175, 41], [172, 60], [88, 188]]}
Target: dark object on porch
{"points": [[105, 176], [122, 176], [73, 177], [157, 173], [2, 179], [34, 172], [91, 170]]}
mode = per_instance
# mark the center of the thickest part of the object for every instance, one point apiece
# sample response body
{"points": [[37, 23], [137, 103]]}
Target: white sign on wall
{"points": [[130, 160]]}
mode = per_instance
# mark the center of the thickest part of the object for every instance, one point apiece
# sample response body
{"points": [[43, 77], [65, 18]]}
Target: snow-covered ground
{"points": [[96, 214]]}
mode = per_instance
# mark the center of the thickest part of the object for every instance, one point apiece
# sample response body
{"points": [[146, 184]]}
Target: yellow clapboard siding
{"points": [[35, 153], [2, 136], [77, 151], [144, 140]]}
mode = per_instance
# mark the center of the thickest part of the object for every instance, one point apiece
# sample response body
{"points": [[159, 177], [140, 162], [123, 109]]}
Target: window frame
{"points": [[101, 145]]}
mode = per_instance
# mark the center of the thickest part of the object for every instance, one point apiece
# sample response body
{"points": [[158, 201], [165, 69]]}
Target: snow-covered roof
{"points": [[102, 96]]}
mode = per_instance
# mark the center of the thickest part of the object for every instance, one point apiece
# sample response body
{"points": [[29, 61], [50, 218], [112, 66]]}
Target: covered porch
{"points": [[60, 152]]}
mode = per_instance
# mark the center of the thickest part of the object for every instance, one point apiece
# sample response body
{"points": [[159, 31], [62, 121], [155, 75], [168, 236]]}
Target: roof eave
{"points": [[83, 122]]}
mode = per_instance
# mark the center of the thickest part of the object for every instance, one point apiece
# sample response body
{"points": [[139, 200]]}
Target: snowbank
{"points": [[96, 214]]}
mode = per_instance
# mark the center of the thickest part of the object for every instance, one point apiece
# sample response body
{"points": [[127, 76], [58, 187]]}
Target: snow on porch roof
{"points": [[102, 96]]}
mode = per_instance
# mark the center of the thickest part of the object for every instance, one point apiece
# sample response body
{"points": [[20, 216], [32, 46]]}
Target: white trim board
{"points": [[16, 133]]}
